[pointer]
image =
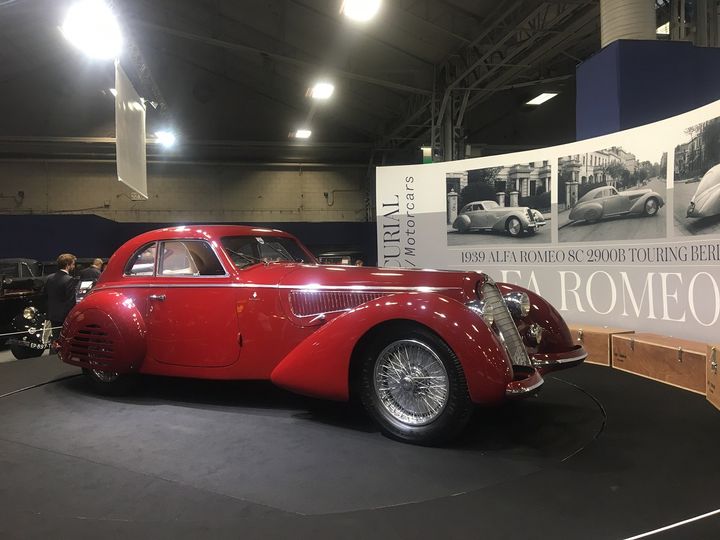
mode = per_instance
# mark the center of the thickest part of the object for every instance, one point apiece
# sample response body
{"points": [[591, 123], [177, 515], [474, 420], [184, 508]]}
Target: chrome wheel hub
{"points": [[411, 382], [514, 227]]}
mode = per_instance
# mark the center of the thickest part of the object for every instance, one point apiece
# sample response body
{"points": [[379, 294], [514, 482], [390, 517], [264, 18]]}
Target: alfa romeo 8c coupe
{"points": [[418, 348]]}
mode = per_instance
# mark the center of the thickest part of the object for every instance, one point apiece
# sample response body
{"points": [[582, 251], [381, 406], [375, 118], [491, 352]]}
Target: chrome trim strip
{"points": [[561, 361], [355, 288]]}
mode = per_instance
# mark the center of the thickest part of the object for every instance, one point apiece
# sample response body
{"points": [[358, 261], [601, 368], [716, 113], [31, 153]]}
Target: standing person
{"points": [[92, 272], [60, 288]]}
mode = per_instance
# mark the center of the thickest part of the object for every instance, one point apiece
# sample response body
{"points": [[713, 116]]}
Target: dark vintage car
{"points": [[418, 348], [21, 292]]}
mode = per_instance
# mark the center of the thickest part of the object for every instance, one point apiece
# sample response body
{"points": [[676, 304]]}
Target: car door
{"points": [[191, 313], [614, 203]]}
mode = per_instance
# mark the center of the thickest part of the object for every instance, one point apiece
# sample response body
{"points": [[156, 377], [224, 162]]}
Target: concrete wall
{"points": [[186, 193]]}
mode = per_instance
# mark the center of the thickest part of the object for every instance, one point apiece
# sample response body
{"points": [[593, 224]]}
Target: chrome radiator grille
{"points": [[505, 325], [309, 303]]}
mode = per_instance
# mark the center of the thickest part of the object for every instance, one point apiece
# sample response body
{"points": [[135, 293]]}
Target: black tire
{"points": [[21, 353], [457, 407], [513, 226], [110, 384], [652, 207]]}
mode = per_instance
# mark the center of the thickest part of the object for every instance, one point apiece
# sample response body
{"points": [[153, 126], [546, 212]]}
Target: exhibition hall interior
{"points": [[360, 269]]}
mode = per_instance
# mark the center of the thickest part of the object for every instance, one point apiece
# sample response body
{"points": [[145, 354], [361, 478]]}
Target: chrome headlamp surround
{"points": [[518, 303], [30, 313], [481, 308]]}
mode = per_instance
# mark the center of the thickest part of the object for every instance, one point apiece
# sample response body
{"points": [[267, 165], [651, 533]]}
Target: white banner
{"points": [[619, 230], [130, 134]]}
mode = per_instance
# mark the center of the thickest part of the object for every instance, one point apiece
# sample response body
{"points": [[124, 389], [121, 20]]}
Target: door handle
{"points": [[158, 297]]}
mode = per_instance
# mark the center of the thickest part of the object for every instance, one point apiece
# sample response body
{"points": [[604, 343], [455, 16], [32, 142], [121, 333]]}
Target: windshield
{"points": [[247, 250]]}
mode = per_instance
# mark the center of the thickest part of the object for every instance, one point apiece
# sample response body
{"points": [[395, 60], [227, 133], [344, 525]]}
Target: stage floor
{"points": [[599, 454]]}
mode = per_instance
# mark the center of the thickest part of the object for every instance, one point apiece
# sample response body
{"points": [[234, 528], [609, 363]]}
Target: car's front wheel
{"points": [[21, 353], [651, 207], [514, 227], [414, 387], [110, 383]]}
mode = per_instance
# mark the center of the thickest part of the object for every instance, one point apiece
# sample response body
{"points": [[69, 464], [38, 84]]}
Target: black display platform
{"points": [[600, 454]]}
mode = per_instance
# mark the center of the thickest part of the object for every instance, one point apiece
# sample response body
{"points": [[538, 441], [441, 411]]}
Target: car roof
{"points": [[482, 202]]}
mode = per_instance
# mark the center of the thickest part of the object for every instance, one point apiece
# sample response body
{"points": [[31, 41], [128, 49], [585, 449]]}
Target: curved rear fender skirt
{"points": [[320, 365], [556, 335], [116, 315]]}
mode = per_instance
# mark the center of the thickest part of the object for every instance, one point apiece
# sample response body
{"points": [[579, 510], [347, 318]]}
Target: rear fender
{"points": [[320, 365], [592, 210], [105, 331]]}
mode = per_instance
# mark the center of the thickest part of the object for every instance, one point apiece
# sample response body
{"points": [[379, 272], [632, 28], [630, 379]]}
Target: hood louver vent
{"points": [[311, 303]]}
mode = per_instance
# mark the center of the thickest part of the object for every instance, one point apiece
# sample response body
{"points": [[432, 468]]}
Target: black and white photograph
{"points": [[612, 194], [499, 205], [697, 180]]}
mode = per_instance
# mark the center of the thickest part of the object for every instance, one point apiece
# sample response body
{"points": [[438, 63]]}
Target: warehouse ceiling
{"points": [[231, 77]]}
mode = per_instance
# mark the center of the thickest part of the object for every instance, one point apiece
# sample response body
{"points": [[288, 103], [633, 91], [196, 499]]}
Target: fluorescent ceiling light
{"points": [[113, 92], [542, 98], [664, 30], [166, 138], [360, 10], [91, 27], [322, 90], [303, 134]]}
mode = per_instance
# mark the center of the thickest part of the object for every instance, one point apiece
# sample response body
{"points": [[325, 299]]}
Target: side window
{"points": [[480, 207], [600, 194], [142, 263], [189, 258]]}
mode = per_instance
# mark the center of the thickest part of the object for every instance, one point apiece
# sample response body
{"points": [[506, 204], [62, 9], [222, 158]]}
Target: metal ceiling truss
{"points": [[514, 39]]}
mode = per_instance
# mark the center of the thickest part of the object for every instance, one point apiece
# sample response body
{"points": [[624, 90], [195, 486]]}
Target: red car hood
{"points": [[458, 285]]}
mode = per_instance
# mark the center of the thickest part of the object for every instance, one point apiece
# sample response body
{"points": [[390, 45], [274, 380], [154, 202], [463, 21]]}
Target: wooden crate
{"points": [[713, 378], [674, 361], [597, 341]]}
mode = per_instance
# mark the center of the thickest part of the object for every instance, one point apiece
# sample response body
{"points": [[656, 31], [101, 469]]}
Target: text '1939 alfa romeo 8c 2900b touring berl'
{"points": [[418, 348]]}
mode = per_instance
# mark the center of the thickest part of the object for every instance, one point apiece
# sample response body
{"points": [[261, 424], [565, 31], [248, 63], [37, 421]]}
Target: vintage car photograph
{"points": [[599, 191], [606, 202], [503, 204], [417, 348], [697, 181], [490, 216]]}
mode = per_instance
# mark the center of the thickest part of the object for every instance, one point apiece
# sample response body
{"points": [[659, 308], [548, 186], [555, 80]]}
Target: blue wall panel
{"points": [[631, 83], [44, 237]]}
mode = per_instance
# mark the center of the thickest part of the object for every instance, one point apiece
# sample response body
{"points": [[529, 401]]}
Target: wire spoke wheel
{"points": [[411, 382]]}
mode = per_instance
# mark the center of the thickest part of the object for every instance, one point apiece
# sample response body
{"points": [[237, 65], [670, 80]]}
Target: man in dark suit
{"points": [[60, 288], [92, 272]]}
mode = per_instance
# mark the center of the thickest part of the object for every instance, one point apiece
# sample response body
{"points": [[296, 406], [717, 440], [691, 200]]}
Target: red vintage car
{"points": [[418, 348]]}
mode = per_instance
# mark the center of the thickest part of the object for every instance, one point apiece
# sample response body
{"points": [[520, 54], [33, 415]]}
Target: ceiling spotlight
{"points": [[542, 98], [322, 90], [165, 138], [303, 134], [91, 27], [113, 92], [360, 10]]}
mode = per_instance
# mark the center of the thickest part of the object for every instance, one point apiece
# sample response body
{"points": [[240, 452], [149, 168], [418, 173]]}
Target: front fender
{"points": [[104, 331], [320, 365]]}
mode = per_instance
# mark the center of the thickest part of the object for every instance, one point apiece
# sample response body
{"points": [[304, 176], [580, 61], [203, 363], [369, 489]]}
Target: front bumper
{"points": [[528, 380]]}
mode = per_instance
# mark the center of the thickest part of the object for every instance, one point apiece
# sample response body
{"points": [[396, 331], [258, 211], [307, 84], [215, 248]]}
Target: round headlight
{"points": [[482, 309], [30, 313], [518, 304]]}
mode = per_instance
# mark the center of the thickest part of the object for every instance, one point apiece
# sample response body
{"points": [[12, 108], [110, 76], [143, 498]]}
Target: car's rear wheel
{"points": [[21, 353], [514, 227], [591, 216], [651, 207], [110, 383], [414, 387]]}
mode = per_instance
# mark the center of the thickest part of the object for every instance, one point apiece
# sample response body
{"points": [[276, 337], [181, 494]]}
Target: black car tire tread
{"points": [[22, 353], [123, 385]]}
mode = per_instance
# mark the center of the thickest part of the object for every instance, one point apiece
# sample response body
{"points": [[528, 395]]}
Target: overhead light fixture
{"points": [[360, 10], [166, 139], [303, 134], [663, 30], [91, 27], [113, 92], [322, 90], [542, 98]]}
